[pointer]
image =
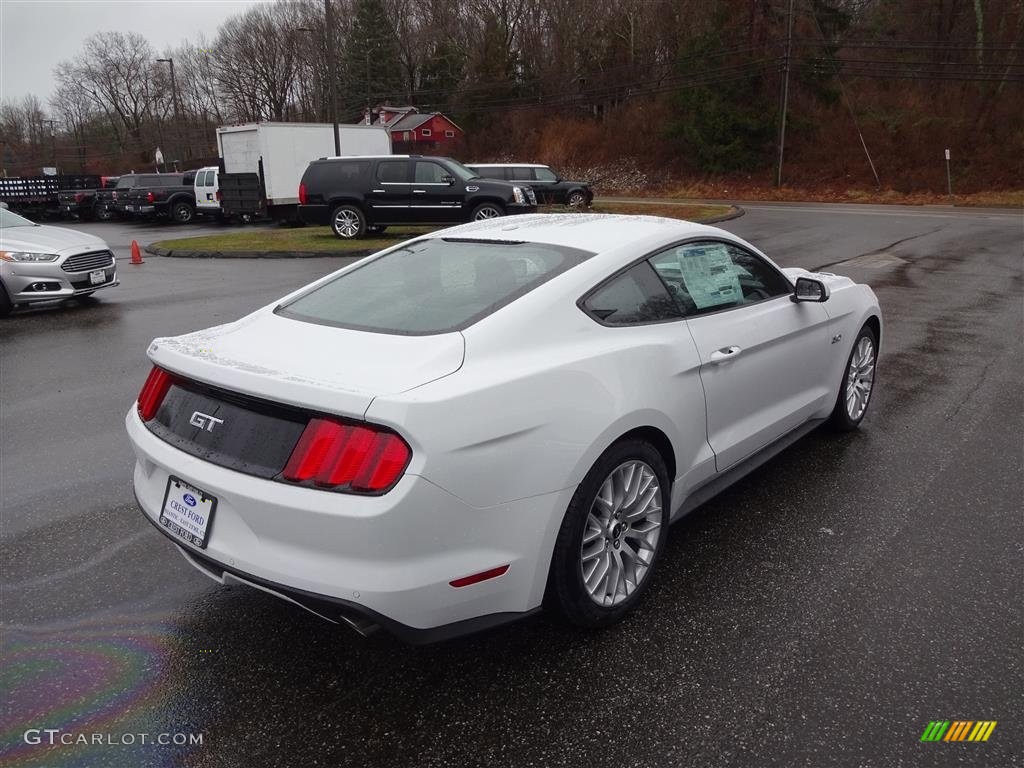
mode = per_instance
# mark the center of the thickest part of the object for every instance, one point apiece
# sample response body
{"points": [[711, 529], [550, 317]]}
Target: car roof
{"points": [[507, 165], [595, 232]]}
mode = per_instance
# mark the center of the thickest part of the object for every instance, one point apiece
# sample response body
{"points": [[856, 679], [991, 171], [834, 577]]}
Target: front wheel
{"points": [[183, 213], [486, 211], [612, 536], [5, 302], [348, 222], [858, 382]]}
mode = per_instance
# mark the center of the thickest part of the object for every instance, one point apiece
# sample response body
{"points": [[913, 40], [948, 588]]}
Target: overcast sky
{"points": [[37, 34]]}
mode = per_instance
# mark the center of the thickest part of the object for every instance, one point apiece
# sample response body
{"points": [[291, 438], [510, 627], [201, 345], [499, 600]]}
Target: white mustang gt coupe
{"points": [[446, 435]]}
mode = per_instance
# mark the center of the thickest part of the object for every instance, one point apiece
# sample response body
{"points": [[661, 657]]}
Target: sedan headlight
{"points": [[27, 256], [519, 195]]}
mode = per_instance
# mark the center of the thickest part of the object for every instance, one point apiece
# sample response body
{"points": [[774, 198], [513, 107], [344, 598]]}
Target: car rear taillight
{"points": [[361, 458], [150, 197], [153, 392], [302, 194]]}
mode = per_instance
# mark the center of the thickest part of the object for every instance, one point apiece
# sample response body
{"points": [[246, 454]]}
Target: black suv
{"points": [[548, 185], [355, 195]]}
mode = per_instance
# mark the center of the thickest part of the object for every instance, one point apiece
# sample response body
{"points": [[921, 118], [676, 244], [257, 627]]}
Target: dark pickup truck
{"points": [[167, 194], [86, 204]]}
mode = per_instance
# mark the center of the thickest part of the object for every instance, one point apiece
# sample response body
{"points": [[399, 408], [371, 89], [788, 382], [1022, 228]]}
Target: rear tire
{"points": [[616, 523], [486, 211], [103, 214], [183, 213], [348, 222], [858, 383], [577, 199]]}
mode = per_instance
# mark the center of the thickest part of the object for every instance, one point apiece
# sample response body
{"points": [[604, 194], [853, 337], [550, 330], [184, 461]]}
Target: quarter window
{"points": [[393, 172], [710, 276], [545, 174], [635, 297]]}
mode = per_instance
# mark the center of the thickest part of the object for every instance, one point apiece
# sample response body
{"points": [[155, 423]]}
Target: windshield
{"points": [[432, 286], [464, 173], [8, 219]]}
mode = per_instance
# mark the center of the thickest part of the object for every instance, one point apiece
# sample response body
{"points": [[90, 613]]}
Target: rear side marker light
{"points": [[153, 392], [476, 578], [344, 456]]}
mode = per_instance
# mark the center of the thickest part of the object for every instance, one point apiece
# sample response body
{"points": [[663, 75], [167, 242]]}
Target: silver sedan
{"points": [[41, 263]]}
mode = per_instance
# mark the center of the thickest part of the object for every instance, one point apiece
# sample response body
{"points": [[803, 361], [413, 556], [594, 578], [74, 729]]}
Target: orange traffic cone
{"points": [[136, 253]]}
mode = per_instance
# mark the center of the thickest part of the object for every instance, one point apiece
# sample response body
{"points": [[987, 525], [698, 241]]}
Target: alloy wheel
{"points": [[487, 212], [576, 200], [860, 378], [346, 223], [621, 533]]}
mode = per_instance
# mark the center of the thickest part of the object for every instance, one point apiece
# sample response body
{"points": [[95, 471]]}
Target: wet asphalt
{"points": [[819, 613]]}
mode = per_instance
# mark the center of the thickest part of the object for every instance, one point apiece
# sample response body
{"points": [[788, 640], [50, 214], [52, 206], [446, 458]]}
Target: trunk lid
{"points": [[308, 366]]}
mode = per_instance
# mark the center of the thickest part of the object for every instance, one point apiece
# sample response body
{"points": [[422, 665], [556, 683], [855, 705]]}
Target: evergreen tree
{"points": [[370, 64]]}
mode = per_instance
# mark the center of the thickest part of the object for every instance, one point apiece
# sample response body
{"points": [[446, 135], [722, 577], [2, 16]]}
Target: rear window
{"points": [[432, 286]]}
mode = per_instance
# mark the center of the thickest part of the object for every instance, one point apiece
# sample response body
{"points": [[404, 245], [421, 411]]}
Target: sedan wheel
{"points": [[621, 535], [611, 537], [858, 382]]}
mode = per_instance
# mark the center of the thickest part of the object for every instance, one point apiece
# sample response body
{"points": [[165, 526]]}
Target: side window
{"points": [[635, 297], [393, 172], [520, 174], [709, 276], [425, 132], [545, 174], [430, 173], [491, 173]]}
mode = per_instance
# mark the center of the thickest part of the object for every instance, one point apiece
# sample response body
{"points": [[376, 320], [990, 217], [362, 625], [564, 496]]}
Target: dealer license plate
{"points": [[187, 512], [98, 276]]}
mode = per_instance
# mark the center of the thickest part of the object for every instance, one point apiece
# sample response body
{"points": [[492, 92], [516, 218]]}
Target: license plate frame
{"points": [[177, 524], [98, 277]]}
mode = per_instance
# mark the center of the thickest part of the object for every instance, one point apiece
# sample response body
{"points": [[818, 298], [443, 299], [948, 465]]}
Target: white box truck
{"points": [[261, 164]]}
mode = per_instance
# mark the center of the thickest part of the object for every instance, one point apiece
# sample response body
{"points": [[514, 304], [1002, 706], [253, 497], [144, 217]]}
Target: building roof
{"points": [[409, 122]]}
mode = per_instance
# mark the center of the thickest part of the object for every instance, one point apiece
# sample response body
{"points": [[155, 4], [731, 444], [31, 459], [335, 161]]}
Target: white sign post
{"points": [[949, 179]]}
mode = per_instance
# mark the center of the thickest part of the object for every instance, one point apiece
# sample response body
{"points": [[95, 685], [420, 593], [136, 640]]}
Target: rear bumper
{"points": [[315, 214], [388, 559]]}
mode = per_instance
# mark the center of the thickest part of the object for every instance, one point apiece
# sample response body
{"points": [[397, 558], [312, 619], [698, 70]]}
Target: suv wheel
{"points": [[577, 199], [348, 222], [487, 211], [612, 536], [183, 213]]}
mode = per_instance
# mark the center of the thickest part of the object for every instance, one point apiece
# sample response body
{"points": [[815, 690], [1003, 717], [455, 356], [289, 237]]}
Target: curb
{"points": [[183, 254], [735, 213]]}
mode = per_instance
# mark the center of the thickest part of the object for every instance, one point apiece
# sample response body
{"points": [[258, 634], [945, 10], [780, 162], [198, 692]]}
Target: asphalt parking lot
{"points": [[819, 613]]}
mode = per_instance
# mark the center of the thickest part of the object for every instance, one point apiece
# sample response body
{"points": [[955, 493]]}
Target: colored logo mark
{"points": [[958, 730]]}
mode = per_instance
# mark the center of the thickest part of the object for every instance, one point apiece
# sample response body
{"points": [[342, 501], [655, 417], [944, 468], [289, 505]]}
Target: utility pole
{"points": [[784, 93], [174, 102], [329, 46]]}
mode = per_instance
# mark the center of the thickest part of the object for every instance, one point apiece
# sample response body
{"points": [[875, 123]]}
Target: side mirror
{"points": [[449, 180], [809, 289]]}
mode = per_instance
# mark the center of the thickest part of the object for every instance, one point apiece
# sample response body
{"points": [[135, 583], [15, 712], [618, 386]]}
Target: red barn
{"points": [[415, 131]]}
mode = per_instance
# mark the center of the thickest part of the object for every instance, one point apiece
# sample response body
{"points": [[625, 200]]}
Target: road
{"points": [[819, 613]]}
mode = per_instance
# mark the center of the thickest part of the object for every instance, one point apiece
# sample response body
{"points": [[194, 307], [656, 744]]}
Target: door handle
{"points": [[378, 190], [725, 354], [420, 191]]}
